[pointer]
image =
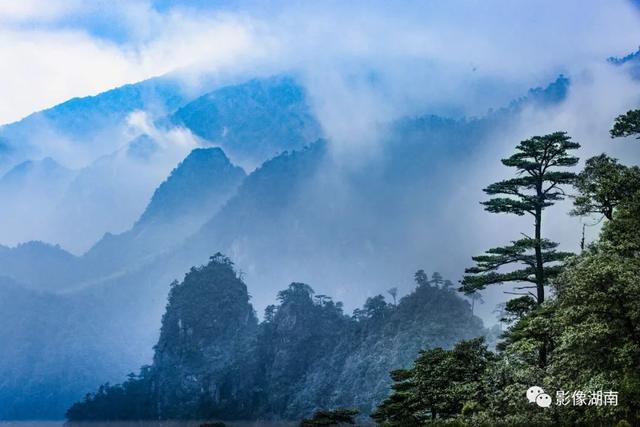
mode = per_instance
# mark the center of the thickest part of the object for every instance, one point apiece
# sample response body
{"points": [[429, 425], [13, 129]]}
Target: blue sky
{"points": [[52, 50]]}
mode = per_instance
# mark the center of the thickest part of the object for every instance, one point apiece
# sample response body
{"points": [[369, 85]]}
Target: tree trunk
{"points": [[542, 354], [539, 263]]}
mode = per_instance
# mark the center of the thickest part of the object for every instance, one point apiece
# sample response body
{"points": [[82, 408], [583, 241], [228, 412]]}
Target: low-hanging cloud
{"points": [[458, 56], [363, 64], [49, 63]]}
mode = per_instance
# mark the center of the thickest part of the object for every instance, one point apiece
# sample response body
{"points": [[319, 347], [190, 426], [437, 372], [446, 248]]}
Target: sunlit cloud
{"points": [[15, 12], [426, 53], [43, 66]]}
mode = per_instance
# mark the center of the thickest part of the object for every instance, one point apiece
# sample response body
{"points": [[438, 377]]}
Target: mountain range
{"points": [[302, 215], [140, 130]]}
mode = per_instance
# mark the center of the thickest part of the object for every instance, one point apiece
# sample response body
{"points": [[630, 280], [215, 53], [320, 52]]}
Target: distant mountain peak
{"points": [[192, 194], [206, 154], [631, 60], [253, 121], [203, 170], [542, 96], [554, 92], [635, 56], [46, 170]]}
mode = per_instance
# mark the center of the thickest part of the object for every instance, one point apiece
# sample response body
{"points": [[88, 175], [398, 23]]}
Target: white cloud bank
{"points": [[46, 63], [423, 52]]}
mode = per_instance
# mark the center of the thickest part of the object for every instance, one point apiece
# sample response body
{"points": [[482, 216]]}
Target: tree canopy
{"points": [[603, 184], [627, 124], [589, 328], [540, 166]]}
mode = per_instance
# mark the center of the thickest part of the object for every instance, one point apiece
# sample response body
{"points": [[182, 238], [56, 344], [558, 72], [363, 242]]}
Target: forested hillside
{"points": [[300, 216], [573, 340], [213, 359], [268, 214], [569, 355]]}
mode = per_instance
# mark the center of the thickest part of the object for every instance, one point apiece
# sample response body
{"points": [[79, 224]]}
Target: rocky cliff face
{"points": [[205, 339]]}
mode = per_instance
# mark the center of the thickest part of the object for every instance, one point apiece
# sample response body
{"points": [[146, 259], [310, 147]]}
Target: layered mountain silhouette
{"points": [[143, 130], [40, 266], [253, 121], [29, 193], [92, 122], [301, 216], [214, 360], [192, 194]]}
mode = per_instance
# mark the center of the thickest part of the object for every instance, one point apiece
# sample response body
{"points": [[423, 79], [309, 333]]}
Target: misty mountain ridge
{"points": [[280, 211], [276, 226], [34, 180], [47, 170], [193, 193], [631, 57], [277, 197], [253, 121], [551, 94], [56, 271], [630, 61], [142, 147], [265, 117], [92, 120], [193, 179], [29, 193], [214, 360], [106, 185], [281, 192]]}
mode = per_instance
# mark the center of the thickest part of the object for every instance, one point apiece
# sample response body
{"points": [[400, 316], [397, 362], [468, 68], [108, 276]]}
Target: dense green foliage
{"points": [[330, 418], [590, 328], [603, 185], [442, 383], [627, 124], [213, 359], [200, 359]]}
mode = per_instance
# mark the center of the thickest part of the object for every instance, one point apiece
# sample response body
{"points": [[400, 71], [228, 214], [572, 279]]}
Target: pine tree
{"points": [[475, 296], [439, 385], [627, 125], [437, 280], [540, 164], [603, 185], [394, 294], [402, 405], [421, 278], [331, 418]]}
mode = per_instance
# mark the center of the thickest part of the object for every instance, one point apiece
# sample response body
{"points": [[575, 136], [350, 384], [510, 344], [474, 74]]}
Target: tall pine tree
{"points": [[540, 164]]}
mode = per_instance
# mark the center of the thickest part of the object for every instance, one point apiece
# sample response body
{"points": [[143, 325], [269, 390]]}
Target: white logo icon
{"points": [[543, 400], [533, 392]]}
